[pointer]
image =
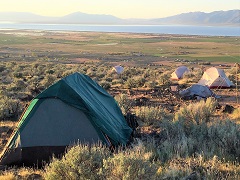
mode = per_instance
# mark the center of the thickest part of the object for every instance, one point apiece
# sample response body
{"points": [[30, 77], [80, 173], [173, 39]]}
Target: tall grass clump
{"points": [[150, 115]]}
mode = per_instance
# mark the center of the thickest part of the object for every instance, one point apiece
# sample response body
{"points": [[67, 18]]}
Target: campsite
{"points": [[179, 95]]}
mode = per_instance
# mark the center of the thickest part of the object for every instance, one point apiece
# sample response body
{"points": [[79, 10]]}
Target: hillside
{"points": [[196, 18], [231, 17]]}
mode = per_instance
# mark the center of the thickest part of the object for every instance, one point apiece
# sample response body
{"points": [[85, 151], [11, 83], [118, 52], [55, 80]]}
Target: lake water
{"points": [[158, 29]]}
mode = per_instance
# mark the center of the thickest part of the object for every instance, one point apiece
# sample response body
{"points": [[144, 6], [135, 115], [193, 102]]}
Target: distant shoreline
{"points": [[154, 29]]}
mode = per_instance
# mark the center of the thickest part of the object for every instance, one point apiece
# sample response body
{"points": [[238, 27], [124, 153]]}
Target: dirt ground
{"points": [[229, 96]]}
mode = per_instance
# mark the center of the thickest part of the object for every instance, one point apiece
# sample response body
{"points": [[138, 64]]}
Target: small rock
{"points": [[227, 109]]}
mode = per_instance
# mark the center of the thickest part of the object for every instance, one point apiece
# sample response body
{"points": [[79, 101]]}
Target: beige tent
{"points": [[179, 72], [215, 78]]}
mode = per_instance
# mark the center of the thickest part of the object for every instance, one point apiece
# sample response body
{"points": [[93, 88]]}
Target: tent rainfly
{"points": [[178, 73], [215, 78], [75, 109], [197, 90]]}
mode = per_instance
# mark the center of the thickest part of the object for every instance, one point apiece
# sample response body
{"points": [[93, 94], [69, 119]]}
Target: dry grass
{"points": [[21, 173], [236, 115], [6, 130]]}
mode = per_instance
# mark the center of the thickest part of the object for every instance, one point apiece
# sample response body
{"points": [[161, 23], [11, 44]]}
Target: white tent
{"points": [[215, 78], [118, 69], [178, 73]]}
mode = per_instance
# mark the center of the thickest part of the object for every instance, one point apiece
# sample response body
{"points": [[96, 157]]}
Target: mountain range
{"points": [[231, 17]]}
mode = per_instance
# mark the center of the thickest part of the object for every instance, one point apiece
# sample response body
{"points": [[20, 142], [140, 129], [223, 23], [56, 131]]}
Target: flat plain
{"points": [[116, 47]]}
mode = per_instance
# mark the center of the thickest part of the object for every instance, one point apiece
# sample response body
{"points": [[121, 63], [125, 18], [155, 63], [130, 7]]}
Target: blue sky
{"points": [[118, 8]]}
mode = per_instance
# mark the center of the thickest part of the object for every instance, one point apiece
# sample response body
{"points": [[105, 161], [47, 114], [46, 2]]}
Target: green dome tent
{"points": [[75, 109]]}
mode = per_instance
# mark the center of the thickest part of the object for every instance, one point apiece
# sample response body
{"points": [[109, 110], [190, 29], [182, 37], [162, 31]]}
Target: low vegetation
{"points": [[175, 139], [199, 146], [207, 150], [184, 147]]}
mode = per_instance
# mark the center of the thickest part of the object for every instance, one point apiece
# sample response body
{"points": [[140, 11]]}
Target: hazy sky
{"points": [[118, 8]]}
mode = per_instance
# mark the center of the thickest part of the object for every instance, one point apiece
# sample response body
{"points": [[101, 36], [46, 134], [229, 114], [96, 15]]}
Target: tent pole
{"points": [[237, 65]]}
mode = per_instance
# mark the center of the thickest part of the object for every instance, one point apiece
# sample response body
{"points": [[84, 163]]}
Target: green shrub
{"points": [[96, 162], [140, 81], [48, 80], [164, 79], [224, 138], [49, 71], [151, 84], [9, 108], [80, 162], [124, 103], [131, 83], [117, 81], [197, 113], [130, 165], [106, 85], [2, 68], [19, 85], [108, 79], [150, 115], [18, 75]]}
